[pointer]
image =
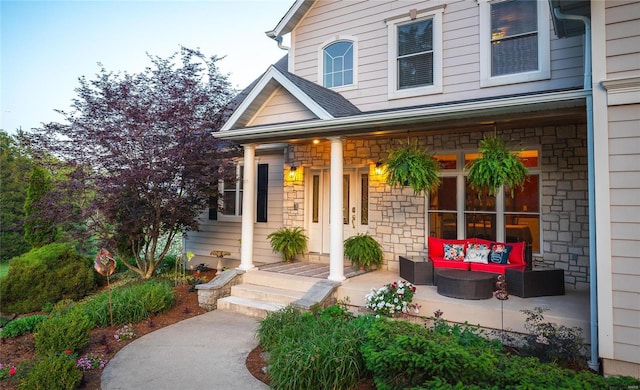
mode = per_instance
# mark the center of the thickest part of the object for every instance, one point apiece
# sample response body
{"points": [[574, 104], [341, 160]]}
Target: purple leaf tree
{"points": [[140, 154]]}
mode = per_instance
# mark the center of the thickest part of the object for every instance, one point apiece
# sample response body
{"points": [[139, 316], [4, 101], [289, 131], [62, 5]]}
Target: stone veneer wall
{"points": [[397, 216]]}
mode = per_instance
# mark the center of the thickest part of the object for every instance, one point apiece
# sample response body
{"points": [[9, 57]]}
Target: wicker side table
{"points": [[457, 283], [535, 283], [417, 270]]}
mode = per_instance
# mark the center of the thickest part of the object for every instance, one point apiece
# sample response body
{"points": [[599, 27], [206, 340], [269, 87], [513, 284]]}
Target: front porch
{"points": [[571, 309]]}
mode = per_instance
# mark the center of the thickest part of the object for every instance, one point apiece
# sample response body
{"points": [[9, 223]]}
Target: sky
{"points": [[45, 46]]}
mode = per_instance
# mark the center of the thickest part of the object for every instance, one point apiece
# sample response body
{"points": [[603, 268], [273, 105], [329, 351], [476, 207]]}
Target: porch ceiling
{"points": [[510, 112]]}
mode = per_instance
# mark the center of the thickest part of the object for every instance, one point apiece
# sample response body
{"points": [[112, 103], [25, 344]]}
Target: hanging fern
{"points": [[496, 167], [412, 166]]}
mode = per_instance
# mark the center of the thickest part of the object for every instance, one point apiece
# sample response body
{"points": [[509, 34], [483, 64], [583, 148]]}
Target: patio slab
{"points": [[571, 309]]}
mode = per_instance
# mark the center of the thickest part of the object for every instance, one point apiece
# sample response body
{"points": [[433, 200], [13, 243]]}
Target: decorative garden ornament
{"points": [[105, 264]]}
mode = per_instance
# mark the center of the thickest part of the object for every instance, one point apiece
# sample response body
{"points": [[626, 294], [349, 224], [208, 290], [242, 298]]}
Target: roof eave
{"points": [[291, 19], [351, 124]]}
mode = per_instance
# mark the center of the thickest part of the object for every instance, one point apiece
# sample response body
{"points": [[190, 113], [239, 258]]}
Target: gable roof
{"points": [[290, 19], [322, 102]]}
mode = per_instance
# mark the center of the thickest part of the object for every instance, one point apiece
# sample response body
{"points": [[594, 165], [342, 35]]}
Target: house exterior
{"points": [[363, 77]]}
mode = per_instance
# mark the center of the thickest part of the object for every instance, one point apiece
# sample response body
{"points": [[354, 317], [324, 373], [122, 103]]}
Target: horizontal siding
{"points": [[226, 235], [461, 74], [624, 166], [624, 317], [281, 107], [623, 39], [627, 352]]}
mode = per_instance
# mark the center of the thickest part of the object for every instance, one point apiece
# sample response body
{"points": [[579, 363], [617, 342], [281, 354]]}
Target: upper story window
{"points": [[415, 53], [338, 63], [514, 42]]}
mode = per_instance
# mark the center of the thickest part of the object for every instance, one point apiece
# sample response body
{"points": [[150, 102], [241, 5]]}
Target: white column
{"points": [[248, 207], [336, 230]]}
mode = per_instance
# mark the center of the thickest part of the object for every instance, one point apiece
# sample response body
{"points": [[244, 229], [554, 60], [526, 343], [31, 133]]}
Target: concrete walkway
{"points": [[203, 352]]}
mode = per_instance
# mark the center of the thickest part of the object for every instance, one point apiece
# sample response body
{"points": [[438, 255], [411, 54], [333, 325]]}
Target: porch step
{"points": [[279, 280], [266, 293], [262, 292], [249, 307]]}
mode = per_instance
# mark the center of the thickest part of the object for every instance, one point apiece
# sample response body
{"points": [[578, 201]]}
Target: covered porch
{"points": [[571, 309]]}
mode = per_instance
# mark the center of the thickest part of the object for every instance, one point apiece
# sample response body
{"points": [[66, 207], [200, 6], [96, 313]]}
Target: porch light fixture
{"points": [[316, 141], [292, 172], [379, 168]]}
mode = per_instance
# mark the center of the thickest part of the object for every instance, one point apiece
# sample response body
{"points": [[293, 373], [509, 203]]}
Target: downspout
{"points": [[593, 280], [280, 45]]}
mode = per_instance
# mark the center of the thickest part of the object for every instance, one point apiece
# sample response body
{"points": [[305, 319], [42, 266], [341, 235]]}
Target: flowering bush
{"points": [[125, 333], [91, 361], [392, 298], [7, 370]]}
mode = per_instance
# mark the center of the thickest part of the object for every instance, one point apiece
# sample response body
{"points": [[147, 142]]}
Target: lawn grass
{"points": [[4, 269]]}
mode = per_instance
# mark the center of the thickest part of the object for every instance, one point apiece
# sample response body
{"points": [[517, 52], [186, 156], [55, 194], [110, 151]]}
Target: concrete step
{"points": [[249, 307], [279, 280], [265, 293]]}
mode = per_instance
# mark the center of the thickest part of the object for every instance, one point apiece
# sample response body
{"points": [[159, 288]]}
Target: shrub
{"points": [[67, 331], [46, 275], [21, 326], [52, 373], [130, 304], [314, 350], [550, 342], [405, 355], [277, 323]]}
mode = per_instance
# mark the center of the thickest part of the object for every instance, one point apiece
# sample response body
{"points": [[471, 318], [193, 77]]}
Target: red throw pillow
{"points": [[436, 245]]}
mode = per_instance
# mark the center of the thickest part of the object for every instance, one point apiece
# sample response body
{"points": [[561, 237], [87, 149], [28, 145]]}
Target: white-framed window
{"points": [[514, 42], [415, 53], [232, 192], [455, 211], [338, 62]]}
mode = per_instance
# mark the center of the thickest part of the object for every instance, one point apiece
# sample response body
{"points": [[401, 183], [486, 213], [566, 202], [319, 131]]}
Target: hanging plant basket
{"points": [[497, 166], [412, 166]]}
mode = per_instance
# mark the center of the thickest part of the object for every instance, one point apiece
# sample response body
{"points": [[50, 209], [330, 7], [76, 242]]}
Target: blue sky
{"points": [[47, 45]]}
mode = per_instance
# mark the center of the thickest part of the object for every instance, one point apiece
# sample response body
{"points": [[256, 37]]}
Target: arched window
{"points": [[338, 64]]}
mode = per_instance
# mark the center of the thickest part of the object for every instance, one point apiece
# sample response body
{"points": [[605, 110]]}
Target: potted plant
{"points": [[363, 251], [497, 166], [289, 242], [412, 166]]}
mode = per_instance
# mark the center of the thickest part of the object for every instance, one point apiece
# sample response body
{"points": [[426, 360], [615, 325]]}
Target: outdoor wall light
{"points": [[379, 168], [292, 172]]}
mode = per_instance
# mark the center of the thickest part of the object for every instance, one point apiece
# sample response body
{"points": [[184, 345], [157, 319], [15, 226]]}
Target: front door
{"points": [[355, 201]]}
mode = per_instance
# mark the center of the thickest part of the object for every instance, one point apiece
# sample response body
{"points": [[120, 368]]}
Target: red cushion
{"points": [[495, 268], [474, 240], [517, 252], [440, 262], [436, 245]]}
